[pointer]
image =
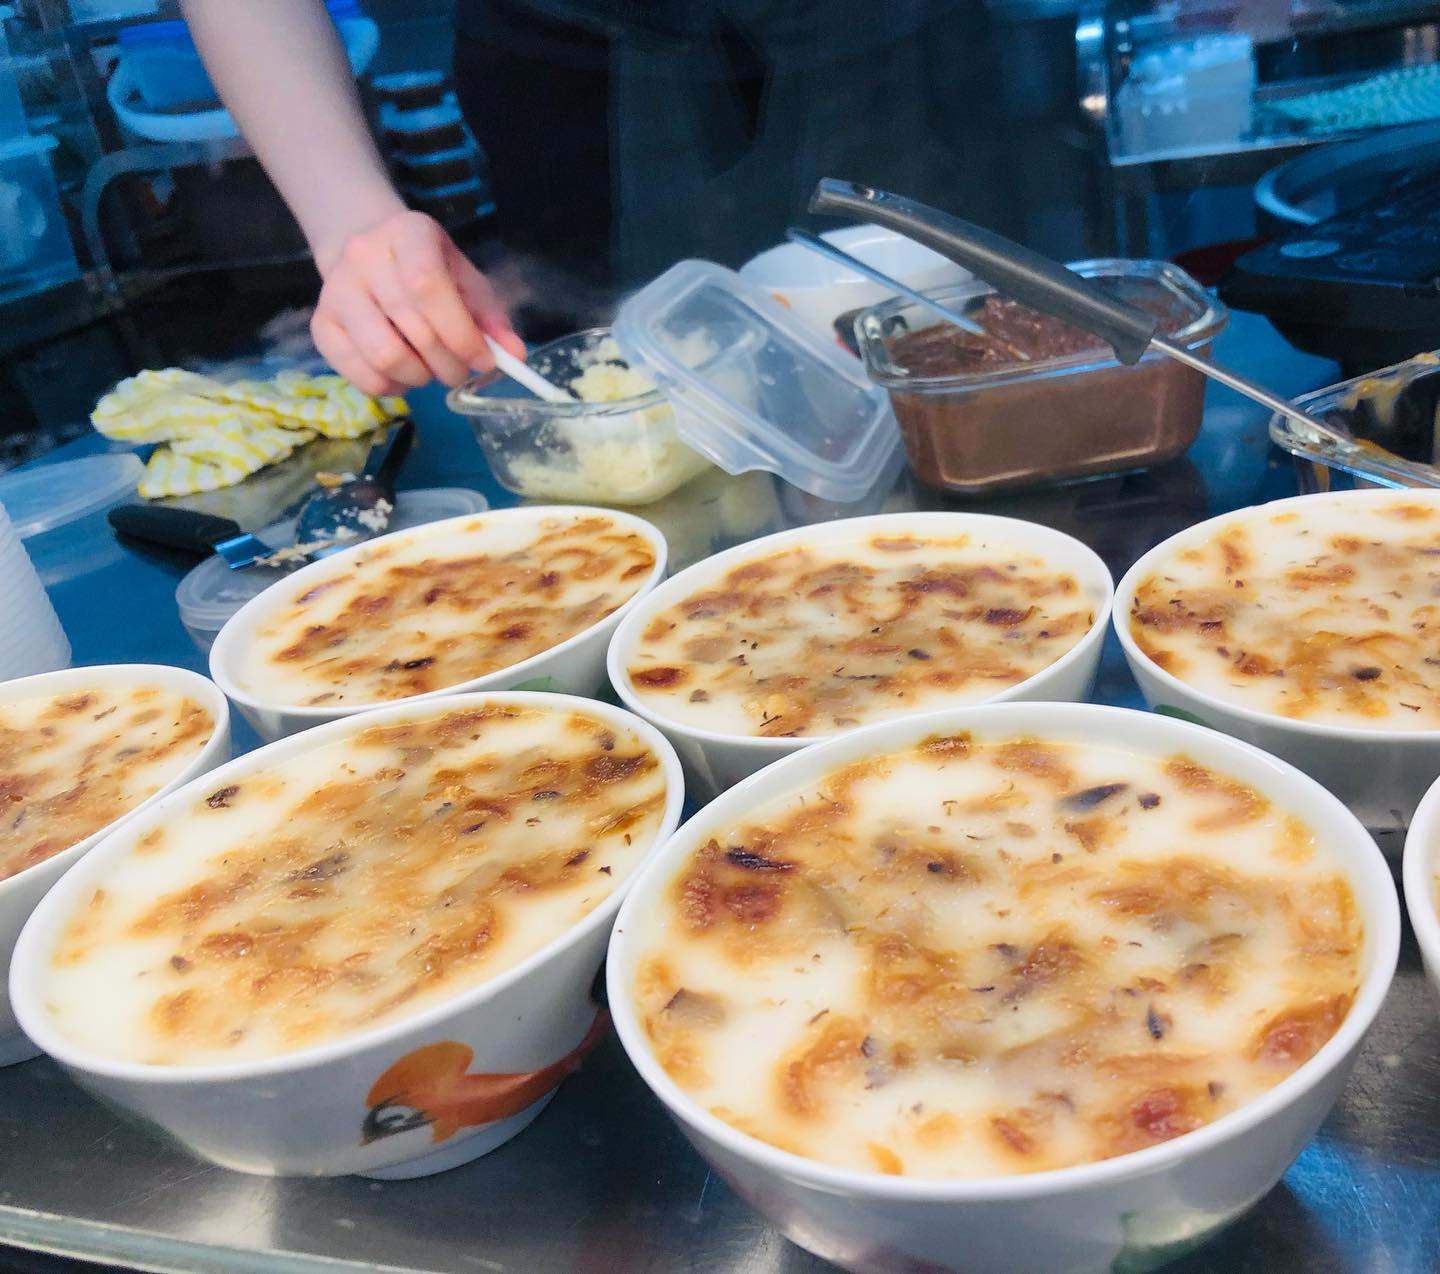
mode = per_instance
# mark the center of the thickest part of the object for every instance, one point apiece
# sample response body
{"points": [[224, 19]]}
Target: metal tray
{"points": [[603, 1182]]}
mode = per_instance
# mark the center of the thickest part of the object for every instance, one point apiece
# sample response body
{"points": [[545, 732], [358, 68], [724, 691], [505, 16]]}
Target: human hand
{"points": [[401, 306]]}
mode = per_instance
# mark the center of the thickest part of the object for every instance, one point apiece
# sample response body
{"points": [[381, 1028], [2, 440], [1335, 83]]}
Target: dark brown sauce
{"points": [[946, 350]]}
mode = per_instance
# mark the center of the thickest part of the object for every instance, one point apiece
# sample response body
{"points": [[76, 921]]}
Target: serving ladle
{"points": [[1045, 285]]}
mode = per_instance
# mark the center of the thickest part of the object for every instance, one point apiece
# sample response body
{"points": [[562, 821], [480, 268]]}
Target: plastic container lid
{"points": [[171, 31], [50, 496], [212, 592], [753, 387]]}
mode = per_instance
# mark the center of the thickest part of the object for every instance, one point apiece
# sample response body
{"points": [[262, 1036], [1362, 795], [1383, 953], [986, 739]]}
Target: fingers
{"points": [[428, 305], [418, 330], [481, 301], [349, 304], [339, 351], [404, 306]]}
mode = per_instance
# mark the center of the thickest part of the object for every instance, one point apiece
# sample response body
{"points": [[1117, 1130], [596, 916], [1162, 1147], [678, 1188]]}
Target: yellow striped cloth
{"points": [[218, 433]]}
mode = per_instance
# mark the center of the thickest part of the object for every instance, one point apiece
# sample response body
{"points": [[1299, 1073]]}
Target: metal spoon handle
{"points": [[1335, 445], [1048, 286], [387, 456], [1244, 385], [1016, 271]]}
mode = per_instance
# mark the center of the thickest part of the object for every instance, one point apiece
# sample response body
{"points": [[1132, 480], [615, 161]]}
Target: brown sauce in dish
{"points": [[74, 763], [1013, 329], [1028, 431], [946, 350]]}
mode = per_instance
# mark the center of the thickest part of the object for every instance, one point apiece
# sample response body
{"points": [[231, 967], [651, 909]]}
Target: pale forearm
{"points": [[282, 72], [400, 303]]}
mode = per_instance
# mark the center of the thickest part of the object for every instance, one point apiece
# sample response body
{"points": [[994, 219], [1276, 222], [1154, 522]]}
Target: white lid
{"points": [[49, 496], [212, 592], [753, 387]]}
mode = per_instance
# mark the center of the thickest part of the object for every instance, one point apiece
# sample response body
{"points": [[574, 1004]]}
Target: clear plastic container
{"points": [[1394, 416], [59, 511], [739, 381], [622, 452], [424, 129], [1014, 423], [35, 247], [212, 592], [754, 386]]}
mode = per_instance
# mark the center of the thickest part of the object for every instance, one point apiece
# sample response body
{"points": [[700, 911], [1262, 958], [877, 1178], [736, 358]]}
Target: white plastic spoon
{"points": [[521, 372]]}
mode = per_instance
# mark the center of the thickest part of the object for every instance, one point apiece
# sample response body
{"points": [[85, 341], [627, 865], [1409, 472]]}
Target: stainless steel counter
{"points": [[602, 1182]]}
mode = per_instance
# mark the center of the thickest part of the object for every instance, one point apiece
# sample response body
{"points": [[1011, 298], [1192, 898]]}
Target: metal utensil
{"points": [[336, 517], [1048, 286], [963, 321], [520, 371], [330, 519], [186, 529]]}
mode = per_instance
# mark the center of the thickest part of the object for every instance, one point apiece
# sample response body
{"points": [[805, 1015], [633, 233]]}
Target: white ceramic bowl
{"points": [[303, 1113], [576, 665], [1420, 872], [20, 893], [714, 761], [1138, 1206], [819, 290], [1379, 774]]}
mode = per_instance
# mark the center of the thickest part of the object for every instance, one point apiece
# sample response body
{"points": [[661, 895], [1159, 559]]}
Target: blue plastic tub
{"points": [[166, 65]]}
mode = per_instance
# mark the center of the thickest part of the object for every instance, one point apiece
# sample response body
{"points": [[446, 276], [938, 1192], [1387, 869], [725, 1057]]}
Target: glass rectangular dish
{"points": [[1392, 415], [1052, 419]]}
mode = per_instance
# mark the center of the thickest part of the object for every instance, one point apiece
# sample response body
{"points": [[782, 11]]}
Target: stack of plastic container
{"points": [[31, 639], [436, 161]]}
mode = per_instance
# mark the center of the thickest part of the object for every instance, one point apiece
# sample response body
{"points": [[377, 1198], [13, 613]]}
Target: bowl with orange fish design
{"points": [[1309, 627], [368, 948], [1019, 988]]}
